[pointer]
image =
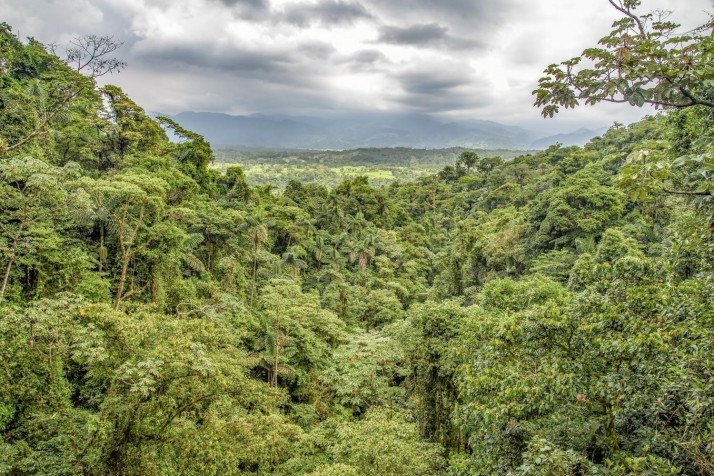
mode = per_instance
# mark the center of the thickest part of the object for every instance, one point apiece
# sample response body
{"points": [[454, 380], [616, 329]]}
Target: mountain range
{"points": [[367, 130]]}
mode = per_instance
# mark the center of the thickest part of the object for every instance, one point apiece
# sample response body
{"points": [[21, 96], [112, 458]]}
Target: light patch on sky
{"points": [[466, 59]]}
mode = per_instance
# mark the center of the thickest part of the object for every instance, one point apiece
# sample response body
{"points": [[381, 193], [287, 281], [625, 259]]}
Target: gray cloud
{"points": [[278, 67], [428, 34], [257, 4], [413, 35], [366, 61], [463, 16], [339, 56], [222, 91], [438, 104], [248, 9], [319, 50], [327, 12], [439, 88], [525, 48], [366, 57], [237, 61], [286, 65], [423, 83]]}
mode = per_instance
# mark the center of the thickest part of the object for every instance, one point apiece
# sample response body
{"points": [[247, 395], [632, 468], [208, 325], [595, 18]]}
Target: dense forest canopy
{"points": [[548, 314]]}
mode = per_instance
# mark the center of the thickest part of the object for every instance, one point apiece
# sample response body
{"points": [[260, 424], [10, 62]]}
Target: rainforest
{"points": [[542, 313]]}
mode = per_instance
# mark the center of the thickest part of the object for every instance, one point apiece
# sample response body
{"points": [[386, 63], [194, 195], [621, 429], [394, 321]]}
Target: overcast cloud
{"points": [[456, 58]]}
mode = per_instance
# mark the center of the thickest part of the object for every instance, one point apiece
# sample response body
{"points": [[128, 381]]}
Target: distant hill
{"points": [[368, 130], [580, 137]]}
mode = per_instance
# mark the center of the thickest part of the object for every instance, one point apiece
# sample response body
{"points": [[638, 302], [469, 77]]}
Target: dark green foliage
{"points": [[583, 205], [550, 313]]}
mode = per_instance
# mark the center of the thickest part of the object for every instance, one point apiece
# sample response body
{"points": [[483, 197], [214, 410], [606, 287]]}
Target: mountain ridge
{"points": [[367, 130]]}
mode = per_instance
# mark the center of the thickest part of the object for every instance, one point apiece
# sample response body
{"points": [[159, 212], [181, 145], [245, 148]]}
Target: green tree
{"points": [[582, 206], [385, 441], [193, 152], [298, 333], [135, 206], [365, 371], [432, 330], [32, 197], [38, 90], [468, 160], [257, 231], [644, 60], [487, 164], [134, 130]]}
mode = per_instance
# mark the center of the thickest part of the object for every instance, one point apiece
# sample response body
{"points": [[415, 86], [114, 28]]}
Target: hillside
{"points": [[544, 313]]}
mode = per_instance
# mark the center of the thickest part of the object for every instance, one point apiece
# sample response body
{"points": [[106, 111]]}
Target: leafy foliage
{"points": [[645, 59], [545, 314]]}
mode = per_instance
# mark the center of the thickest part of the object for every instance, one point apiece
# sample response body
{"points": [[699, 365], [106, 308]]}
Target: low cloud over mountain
{"points": [[366, 130]]}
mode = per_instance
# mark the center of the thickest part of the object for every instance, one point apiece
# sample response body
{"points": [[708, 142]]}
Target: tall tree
{"points": [[256, 228], [135, 205], [31, 197]]}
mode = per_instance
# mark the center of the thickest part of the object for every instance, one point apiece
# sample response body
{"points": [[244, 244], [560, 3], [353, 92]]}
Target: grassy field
{"points": [[380, 166]]}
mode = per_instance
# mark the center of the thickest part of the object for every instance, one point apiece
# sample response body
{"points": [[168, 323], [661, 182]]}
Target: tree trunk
{"points": [[122, 281], [101, 246], [274, 383], [255, 272], [6, 277]]}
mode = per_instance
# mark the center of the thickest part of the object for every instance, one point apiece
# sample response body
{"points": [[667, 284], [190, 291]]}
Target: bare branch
{"points": [[90, 55], [85, 54]]}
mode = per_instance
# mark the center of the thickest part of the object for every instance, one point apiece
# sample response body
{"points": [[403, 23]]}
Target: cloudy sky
{"points": [[452, 58]]}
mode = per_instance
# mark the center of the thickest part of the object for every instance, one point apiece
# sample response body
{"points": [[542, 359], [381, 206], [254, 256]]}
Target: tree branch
{"points": [[632, 16], [694, 99], [686, 192]]}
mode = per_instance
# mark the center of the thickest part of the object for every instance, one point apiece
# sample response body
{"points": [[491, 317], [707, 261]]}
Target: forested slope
{"points": [[551, 314]]}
